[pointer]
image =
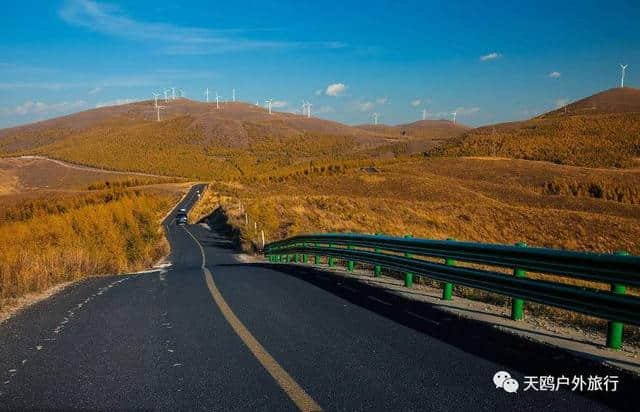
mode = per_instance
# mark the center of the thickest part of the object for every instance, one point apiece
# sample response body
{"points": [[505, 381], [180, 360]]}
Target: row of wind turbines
{"points": [[306, 105], [170, 94]]}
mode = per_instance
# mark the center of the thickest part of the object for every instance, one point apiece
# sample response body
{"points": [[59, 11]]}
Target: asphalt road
{"points": [[212, 333]]}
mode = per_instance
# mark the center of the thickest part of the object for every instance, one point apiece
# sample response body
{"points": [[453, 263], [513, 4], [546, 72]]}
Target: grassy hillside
{"points": [[497, 201], [196, 140], [52, 240], [599, 131], [421, 135]]}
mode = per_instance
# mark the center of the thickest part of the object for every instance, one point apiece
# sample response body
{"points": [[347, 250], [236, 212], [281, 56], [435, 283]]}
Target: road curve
{"points": [[213, 333]]}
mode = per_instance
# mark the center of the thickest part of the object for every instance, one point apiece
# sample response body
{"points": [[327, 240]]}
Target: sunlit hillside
{"points": [[420, 135], [199, 140], [599, 131]]}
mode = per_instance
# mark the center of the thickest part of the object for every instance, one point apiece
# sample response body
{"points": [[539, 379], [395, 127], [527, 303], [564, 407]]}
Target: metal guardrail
{"points": [[408, 255]]}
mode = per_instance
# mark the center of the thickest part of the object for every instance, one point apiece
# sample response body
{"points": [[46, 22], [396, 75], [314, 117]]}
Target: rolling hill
{"points": [[602, 130], [197, 140], [421, 135]]}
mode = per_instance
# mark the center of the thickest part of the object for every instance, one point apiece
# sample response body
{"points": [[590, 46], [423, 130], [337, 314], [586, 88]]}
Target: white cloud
{"points": [[324, 110], [95, 90], [111, 20], [360, 106], [490, 56], [416, 102], [554, 75], [563, 101], [40, 108], [278, 104], [382, 100], [336, 89], [116, 102], [319, 92]]}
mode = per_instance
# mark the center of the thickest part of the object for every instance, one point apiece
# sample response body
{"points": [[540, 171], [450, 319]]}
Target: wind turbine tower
{"points": [[268, 102], [217, 101], [233, 92], [158, 110], [424, 114], [375, 119], [304, 108], [173, 93], [166, 97], [623, 67], [206, 93], [454, 117], [309, 109], [155, 99]]}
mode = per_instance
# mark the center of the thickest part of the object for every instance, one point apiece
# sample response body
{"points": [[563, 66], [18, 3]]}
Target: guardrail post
{"points": [[304, 255], [377, 268], [614, 330], [331, 260], [517, 305], [447, 288], [408, 276], [316, 258], [350, 264]]}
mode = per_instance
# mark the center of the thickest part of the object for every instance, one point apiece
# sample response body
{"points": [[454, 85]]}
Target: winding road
{"points": [[212, 332]]}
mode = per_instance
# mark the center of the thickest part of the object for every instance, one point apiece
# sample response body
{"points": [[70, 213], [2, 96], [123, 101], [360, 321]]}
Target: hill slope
{"points": [[420, 135], [599, 131], [193, 139]]}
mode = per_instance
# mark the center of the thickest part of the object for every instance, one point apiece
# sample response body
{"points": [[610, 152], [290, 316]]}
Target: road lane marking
{"points": [[302, 400], [422, 317]]}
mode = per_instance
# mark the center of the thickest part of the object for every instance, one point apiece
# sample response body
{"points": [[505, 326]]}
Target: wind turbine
{"points": [[269, 103], [454, 117], [207, 94], [155, 98], [424, 114], [166, 98], [233, 91], [173, 93], [158, 110], [309, 109], [622, 79], [257, 103], [375, 119], [217, 101], [304, 108]]}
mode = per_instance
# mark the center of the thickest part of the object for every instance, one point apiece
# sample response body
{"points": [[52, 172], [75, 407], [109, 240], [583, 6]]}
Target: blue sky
{"points": [[490, 62]]}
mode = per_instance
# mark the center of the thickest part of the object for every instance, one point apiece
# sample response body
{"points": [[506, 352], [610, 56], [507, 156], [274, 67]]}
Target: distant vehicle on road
{"points": [[181, 219], [182, 211]]}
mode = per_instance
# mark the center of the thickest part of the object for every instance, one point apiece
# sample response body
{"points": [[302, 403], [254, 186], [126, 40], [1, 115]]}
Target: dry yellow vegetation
{"points": [[594, 140], [50, 242], [602, 130]]}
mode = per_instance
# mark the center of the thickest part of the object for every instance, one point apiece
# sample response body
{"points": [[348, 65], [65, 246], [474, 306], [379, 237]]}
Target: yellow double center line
{"points": [[303, 401]]}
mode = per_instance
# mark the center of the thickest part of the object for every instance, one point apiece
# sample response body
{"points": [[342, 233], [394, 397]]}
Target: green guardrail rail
{"points": [[406, 254]]}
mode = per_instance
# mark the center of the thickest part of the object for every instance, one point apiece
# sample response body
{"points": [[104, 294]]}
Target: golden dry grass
{"points": [[110, 232], [594, 140]]}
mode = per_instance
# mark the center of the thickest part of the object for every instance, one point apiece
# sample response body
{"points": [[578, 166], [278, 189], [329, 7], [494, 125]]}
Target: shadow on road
{"points": [[516, 353]]}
